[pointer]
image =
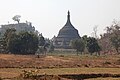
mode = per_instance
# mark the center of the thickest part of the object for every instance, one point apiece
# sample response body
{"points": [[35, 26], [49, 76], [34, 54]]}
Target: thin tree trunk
{"points": [[81, 53], [90, 53], [117, 50], [77, 53]]}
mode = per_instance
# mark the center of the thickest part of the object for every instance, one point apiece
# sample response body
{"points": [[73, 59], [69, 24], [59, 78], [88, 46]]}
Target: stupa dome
{"points": [[66, 34], [68, 30]]}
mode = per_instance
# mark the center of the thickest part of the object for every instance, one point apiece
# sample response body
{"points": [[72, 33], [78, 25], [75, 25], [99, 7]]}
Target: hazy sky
{"points": [[49, 16]]}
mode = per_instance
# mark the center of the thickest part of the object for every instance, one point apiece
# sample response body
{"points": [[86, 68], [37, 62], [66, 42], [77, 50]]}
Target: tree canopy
{"points": [[92, 45], [17, 18], [21, 43], [115, 37], [78, 44]]}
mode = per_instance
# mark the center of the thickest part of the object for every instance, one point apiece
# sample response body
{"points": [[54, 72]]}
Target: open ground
{"points": [[59, 64]]}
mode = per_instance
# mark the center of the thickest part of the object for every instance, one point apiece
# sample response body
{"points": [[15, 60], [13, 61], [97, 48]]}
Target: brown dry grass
{"points": [[67, 61], [14, 72], [109, 78], [12, 65]]}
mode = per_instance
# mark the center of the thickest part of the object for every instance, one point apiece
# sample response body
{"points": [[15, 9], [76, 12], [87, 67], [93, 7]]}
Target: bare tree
{"points": [[95, 31]]}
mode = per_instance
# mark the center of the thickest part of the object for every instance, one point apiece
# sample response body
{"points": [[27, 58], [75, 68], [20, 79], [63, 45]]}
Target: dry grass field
{"points": [[56, 61], [12, 65], [10, 73]]}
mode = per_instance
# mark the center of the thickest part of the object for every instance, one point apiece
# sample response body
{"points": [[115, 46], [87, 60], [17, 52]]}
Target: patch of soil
{"points": [[30, 61], [70, 77]]}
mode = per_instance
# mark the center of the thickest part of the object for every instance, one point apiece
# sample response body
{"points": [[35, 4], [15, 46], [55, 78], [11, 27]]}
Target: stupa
{"points": [[65, 35]]}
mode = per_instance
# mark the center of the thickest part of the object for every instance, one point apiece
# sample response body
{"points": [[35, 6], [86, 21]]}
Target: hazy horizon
{"points": [[49, 16]]}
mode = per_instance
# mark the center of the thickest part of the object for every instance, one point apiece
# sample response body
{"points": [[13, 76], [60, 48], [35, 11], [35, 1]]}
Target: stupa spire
{"points": [[68, 17], [68, 23]]}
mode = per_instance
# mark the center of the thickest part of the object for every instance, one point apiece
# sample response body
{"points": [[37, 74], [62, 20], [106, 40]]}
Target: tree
{"points": [[8, 35], [93, 46], [41, 40], [116, 42], [115, 37], [17, 18], [51, 47], [95, 31], [110, 41], [43, 45], [23, 43], [78, 44], [85, 42], [2, 46]]}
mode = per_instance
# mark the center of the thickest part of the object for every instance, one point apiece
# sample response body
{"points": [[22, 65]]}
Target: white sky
{"points": [[49, 16]]}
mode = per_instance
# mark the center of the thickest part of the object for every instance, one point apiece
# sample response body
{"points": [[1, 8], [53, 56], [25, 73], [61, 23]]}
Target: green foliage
{"points": [[24, 43], [115, 37], [21, 43], [85, 38], [116, 42], [16, 18], [41, 40], [78, 44], [41, 50], [51, 47], [2, 45], [9, 34], [92, 45], [88, 43], [44, 45]]}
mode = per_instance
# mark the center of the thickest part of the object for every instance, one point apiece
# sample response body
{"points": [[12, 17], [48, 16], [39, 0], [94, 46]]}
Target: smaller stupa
{"points": [[65, 35]]}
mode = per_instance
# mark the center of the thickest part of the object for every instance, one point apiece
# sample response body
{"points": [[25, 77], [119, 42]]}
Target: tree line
{"points": [[26, 42], [89, 43], [23, 42], [109, 41]]}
